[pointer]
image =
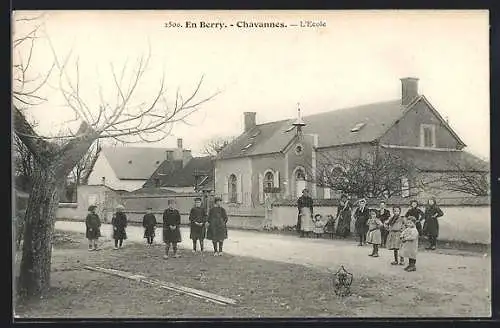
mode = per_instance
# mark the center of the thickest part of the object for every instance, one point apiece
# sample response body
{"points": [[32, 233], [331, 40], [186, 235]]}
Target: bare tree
{"points": [[215, 145], [83, 168], [124, 116], [465, 177], [377, 175]]}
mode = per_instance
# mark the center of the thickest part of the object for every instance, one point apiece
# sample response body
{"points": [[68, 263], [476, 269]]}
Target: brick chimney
{"points": [[179, 143], [249, 120], [409, 90]]}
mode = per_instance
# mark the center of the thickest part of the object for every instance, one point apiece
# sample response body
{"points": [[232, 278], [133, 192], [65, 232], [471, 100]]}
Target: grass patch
{"points": [[262, 288]]}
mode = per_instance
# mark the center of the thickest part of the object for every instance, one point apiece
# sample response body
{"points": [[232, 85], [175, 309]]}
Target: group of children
{"points": [[212, 226]]}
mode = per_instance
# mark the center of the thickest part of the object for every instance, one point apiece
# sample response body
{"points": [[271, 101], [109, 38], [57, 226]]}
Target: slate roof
{"points": [[440, 161], [333, 127], [134, 163], [177, 176]]}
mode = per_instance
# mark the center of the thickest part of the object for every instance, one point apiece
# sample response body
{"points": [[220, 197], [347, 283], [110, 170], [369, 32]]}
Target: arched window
{"points": [[269, 180], [233, 188], [300, 175]]}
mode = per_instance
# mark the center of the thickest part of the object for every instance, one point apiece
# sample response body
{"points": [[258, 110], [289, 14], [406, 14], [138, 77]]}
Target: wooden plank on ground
{"points": [[214, 298]]}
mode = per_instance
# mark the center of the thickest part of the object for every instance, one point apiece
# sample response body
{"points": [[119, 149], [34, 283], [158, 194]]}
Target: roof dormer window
{"points": [[255, 134], [246, 147], [290, 129], [358, 127]]}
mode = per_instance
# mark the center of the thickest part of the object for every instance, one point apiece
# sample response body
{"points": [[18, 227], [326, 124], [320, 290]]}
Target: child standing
{"points": [[330, 226], [374, 235], [149, 224], [409, 237], [171, 228], [319, 226], [119, 223], [217, 226], [93, 224], [197, 218], [394, 226]]}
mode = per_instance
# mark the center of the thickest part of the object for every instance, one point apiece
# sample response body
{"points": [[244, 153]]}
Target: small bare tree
{"points": [[125, 116], [377, 175], [215, 145]]}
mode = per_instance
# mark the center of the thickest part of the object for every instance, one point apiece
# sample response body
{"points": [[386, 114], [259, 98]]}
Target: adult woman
{"points": [[431, 224], [217, 226], [344, 212], [417, 214], [304, 220]]}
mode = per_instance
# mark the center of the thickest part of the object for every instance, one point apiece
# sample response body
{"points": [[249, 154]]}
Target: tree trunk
{"points": [[34, 278]]}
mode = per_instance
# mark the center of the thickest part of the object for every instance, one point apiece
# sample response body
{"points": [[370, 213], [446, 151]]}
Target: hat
{"points": [[197, 199], [120, 207], [92, 207], [217, 199]]}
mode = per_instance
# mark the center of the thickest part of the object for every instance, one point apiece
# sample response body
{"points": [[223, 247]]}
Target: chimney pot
{"points": [[409, 90], [179, 143], [250, 121]]}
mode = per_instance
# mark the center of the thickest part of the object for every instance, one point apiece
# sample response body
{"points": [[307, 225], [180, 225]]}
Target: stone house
{"points": [[270, 160], [128, 168]]}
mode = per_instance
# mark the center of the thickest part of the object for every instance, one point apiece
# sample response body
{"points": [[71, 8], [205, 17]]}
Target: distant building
{"points": [[269, 158], [196, 175], [128, 168]]}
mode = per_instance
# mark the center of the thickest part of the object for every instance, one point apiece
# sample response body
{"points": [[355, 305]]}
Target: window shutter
{"points": [[326, 193], [239, 184], [405, 187], [276, 179], [261, 188], [225, 195]]}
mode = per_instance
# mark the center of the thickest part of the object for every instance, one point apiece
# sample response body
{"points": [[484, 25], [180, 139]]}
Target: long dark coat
{"points": [[344, 213], [119, 222], [149, 224], [217, 224], [362, 218], [197, 215], [431, 224], [303, 201], [419, 215], [93, 225], [171, 217]]}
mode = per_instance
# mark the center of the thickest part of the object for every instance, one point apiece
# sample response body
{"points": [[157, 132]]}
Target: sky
{"points": [[357, 57]]}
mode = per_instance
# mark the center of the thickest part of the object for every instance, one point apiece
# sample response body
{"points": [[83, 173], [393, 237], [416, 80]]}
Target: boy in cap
{"points": [[149, 224], [171, 228], [217, 229], [93, 225], [197, 219], [119, 223]]}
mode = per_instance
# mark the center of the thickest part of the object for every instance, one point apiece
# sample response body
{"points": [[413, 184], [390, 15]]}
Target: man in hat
{"points": [[217, 226], [119, 223], [93, 225], [197, 219], [171, 228], [362, 214]]}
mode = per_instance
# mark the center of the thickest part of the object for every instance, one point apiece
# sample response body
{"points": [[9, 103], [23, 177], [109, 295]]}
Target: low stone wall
{"points": [[470, 224]]}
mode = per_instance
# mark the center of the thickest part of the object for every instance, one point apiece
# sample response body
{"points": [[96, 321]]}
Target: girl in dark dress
{"points": [[93, 224], [383, 215], [217, 226], [119, 223], [330, 226], [149, 224], [417, 214], [171, 228], [197, 219], [362, 214], [431, 224], [344, 213]]}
